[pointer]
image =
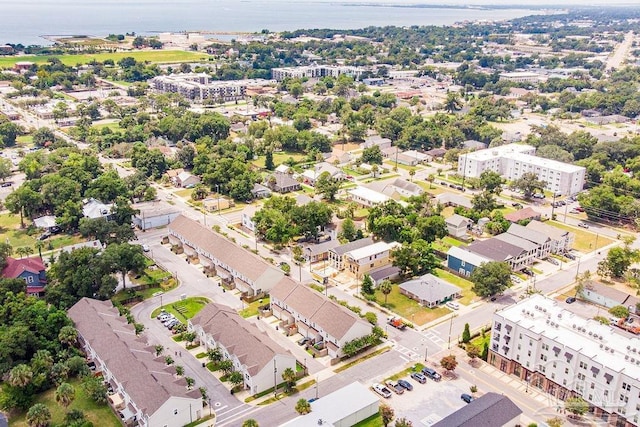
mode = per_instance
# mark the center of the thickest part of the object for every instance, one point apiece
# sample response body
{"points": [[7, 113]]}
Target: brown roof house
{"points": [[146, 390], [253, 352], [316, 317], [237, 267], [522, 214]]}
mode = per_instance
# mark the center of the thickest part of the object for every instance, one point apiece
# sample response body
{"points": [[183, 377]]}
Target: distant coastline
{"points": [[32, 24]]}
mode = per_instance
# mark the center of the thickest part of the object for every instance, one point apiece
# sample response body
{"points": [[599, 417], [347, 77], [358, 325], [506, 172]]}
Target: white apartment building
{"points": [[198, 86], [316, 71], [520, 77], [565, 355], [514, 160]]}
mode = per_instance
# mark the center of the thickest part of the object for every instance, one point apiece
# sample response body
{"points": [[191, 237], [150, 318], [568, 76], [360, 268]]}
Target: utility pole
{"points": [[275, 379]]}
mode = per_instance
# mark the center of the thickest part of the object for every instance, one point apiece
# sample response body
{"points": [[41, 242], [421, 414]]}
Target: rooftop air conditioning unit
{"points": [[628, 347], [591, 333], [626, 357], [601, 345], [537, 307], [559, 315]]}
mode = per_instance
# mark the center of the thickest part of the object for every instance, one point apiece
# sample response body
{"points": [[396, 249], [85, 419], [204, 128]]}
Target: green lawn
{"points": [[185, 309], [155, 56], [373, 421], [98, 414], [24, 140], [279, 158], [185, 193], [408, 308], [467, 294], [19, 237], [585, 240], [252, 309], [112, 126], [453, 241]]}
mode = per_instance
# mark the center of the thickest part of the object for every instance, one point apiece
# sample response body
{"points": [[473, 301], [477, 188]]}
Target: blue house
{"points": [[31, 270], [463, 261]]}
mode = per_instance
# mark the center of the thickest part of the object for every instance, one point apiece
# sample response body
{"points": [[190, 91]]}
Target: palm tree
{"points": [[289, 377], [20, 376], [303, 407], [431, 178], [374, 170], [385, 288], [68, 335], [65, 394], [21, 251], [38, 415], [39, 244], [412, 172], [190, 382], [250, 423], [159, 349], [179, 371]]}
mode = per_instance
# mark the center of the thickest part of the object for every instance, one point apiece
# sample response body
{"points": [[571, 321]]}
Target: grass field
{"points": [[373, 421], [98, 414], [185, 309], [113, 126], [279, 158], [154, 56], [585, 241], [408, 308]]}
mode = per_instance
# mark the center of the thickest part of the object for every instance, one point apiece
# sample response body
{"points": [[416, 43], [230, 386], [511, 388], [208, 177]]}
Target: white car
{"points": [[382, 390], [453, 305], [145, 248]]}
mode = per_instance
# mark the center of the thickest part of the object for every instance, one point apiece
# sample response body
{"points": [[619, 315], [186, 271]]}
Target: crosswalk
{"points": [[434, 337], [232, 416]]}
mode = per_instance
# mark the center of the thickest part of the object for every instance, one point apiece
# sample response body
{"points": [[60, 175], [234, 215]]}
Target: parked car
{"points": [[145, 248], [583, 225], [431, 373], [381, 390], [553, 261], [516, 205], [394, 386], [303, 341], [570, 256], [453, 305], [163, 312], [163, 317], [466, 397], [570, 300], [419, 377], [44, 235], [7, 184], [406, 384]]}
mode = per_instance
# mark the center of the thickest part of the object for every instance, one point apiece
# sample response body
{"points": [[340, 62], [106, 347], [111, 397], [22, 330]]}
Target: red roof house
{"points": [[31, 270]]}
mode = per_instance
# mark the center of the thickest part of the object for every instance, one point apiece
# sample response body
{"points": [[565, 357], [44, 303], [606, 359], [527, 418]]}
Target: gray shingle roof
{"points": [[356, 244], [146, 379], [430, 288], [328, 315], [239, 259], [528, 233], [552, 232], [253, 348], [490, 410], [495, 249], [457, 220], [512, 239]]}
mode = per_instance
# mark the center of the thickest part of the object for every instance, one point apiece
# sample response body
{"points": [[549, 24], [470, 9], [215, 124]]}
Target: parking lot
{"points": [[419, 405]]}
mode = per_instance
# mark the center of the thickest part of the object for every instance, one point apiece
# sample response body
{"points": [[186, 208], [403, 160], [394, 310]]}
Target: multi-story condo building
{"points": [[361, 261], [565, 355], [252, 352], [198, 86], [316, 317], [146, 391], [236, 266], [514, 160], [317, 71]]}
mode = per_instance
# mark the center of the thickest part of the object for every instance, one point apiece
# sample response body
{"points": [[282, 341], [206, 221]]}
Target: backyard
{"points": [[27, 237], [467, 294], [408, 308], [97, 413], [279, 158]]}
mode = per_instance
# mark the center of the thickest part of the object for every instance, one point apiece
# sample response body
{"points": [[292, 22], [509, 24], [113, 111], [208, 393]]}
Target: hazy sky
{"points": [[519, 4]]}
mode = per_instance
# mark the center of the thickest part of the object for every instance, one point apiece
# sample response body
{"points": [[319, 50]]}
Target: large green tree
{"points": [[491, 278], [529, 183], [327, 186], [415, 258], [124, 258]]}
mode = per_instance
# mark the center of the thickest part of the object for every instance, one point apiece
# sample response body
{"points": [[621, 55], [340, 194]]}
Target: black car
{"points": [[466, 397], [405, 384], [7, 184], [570, 300], [303, 340]]}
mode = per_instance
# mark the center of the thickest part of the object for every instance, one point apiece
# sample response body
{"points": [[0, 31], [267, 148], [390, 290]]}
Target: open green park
{"points": [[153, 56]]}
